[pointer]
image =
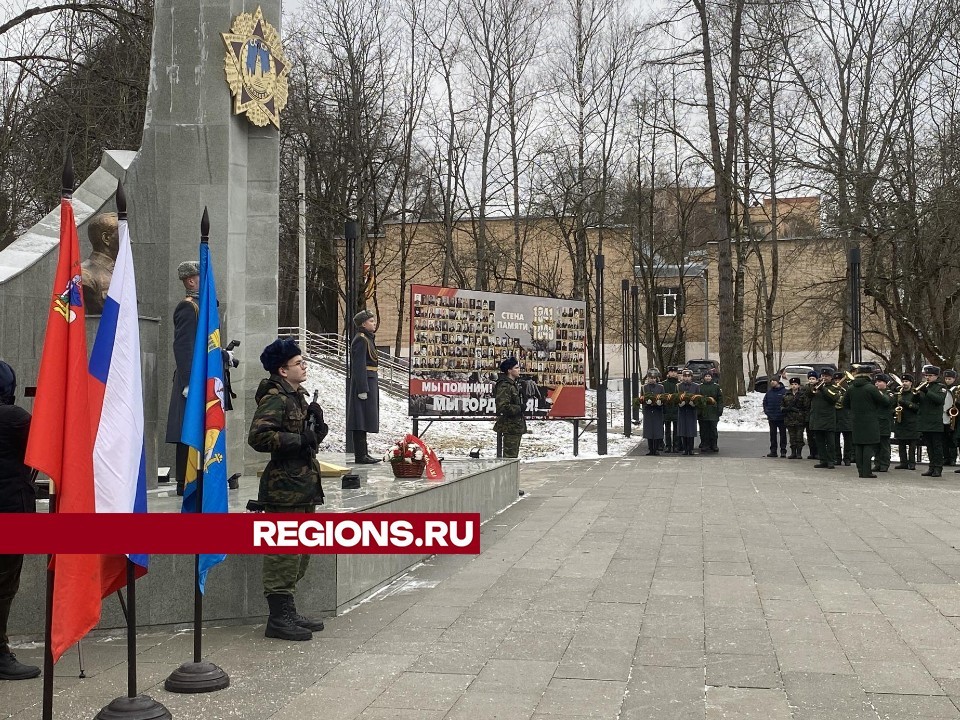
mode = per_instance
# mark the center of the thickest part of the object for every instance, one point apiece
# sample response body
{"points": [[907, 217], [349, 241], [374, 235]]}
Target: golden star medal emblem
{"points": [[256, 69]]}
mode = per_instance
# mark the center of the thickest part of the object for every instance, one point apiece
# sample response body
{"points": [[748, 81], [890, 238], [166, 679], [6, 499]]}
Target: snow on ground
{"points": [[546, 440]]}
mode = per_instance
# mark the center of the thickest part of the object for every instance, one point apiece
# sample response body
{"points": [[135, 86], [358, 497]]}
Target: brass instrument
{"points": [[921, 386], [896, 379], [898, 414], [953, 412]]}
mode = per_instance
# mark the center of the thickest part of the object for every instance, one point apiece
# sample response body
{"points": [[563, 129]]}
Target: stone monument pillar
{"points": [[196, 153]]}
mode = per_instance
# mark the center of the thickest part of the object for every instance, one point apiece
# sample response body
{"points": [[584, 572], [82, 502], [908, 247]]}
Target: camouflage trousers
{"points": [[511, 445], [281, 573], [796, 435]]}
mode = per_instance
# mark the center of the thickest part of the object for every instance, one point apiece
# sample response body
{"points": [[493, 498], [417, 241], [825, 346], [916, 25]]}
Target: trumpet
{"points": [[953, 412], [898, 414], [921, 386]]}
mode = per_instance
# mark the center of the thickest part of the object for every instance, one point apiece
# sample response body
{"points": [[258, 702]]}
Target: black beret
{"points": [[931, 370], [277, 353], [510, 362], [8, 383]]}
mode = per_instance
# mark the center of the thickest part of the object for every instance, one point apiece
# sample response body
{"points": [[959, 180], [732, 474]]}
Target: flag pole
{"points": [[198, 676], [46, 713], [133, 706]]}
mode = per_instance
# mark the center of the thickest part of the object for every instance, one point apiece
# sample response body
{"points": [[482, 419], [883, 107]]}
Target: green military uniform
{"points": [[670, 414], [823, 422], [291, 481], [510, 421], [885, 418], [811, 436], [710, 416], [864, 401], [906, 428], [949, 432], [930, 421], [796, 408]]}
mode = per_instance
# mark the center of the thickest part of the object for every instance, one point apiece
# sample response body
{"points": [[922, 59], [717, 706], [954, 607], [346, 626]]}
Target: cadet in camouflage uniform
{"points": [[285, 425], [885, 413], [905, 427], [796, 405], [510, 422]]}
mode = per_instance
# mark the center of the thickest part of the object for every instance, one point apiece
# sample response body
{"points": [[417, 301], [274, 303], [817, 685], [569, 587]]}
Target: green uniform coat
{"points": [[908, 428], [670, 411], [864, 402], [711, 412], [823, 409], [930, 418], [885, 414]]}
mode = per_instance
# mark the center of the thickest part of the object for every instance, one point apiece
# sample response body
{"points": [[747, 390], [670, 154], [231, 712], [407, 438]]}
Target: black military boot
{"points": [[280, 624], [912, 457], [298, 619], [11, 669]]}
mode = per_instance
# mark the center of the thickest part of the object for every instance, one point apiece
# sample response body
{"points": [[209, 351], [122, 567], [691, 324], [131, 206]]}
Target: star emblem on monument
{"points": [[256, 69]]}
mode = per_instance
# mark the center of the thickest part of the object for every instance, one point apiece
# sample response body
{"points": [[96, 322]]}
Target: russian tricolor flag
{"points": [[116, 395]]}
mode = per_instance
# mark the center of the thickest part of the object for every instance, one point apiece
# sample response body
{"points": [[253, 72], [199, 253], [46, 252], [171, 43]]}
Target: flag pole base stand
{"points": [[141, 707], [197, 677]]}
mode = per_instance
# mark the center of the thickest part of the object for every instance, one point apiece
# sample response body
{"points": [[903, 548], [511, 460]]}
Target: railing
{"points": [[330, 350]]}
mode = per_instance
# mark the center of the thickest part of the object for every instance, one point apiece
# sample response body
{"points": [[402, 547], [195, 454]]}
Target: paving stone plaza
{"points": [[653, 588]]}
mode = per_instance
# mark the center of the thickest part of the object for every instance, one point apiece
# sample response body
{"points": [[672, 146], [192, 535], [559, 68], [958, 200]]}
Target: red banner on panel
{"points": [[239, 533]]}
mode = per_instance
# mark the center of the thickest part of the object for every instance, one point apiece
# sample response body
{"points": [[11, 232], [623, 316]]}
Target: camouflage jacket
{"points": [[292, 477], [510, 419]]}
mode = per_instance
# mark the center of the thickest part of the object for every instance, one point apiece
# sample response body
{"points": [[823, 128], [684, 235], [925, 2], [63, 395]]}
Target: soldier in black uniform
{"points": [[844, 427], [184, 336], [933, 396], [687, 415], [17, 495], [885, 416], [905, 424], [823, 418], [949, 442], [290, 429], [811, 436]]}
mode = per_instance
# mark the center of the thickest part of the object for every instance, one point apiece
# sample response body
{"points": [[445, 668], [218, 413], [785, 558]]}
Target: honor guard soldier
{"points": [[906, 429], [933, 396], [687, 415], [864, 402], [510, 421], [823, 418], [671, 441], [652, 402], [710, 413], [885, 416]]}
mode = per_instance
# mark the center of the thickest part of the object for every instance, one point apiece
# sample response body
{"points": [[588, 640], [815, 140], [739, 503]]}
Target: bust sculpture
{"points": [[97, 269]]}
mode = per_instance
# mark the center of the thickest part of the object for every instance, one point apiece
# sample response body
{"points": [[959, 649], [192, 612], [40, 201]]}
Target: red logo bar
{"points": [[239, 533]]}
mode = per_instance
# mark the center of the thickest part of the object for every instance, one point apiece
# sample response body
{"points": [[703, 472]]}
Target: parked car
{"points": [[699, 367], [800, 371]]}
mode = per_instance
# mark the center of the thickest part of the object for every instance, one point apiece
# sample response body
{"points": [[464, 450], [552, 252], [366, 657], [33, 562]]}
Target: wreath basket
{"points": [[413, 469]]}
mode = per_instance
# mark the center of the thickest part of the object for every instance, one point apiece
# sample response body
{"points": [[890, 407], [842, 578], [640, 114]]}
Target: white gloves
{"points": [[186, 391], [362, 396]]}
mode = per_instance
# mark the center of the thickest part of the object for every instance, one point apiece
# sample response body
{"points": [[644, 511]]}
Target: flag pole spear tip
{"points": [[67, 177], [205, 226], [121, 201]]}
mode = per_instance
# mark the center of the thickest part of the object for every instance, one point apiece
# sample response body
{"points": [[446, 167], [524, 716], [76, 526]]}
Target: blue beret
{"points": [[277, 353]]}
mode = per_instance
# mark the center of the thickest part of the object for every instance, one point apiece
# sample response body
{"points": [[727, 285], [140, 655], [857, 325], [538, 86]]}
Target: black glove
{"points": [[309, 442], [314, 415]]}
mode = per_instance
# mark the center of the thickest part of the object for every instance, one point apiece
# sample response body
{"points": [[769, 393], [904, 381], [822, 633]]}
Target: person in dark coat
{"points": [[864, 402], [933, 397], [949, 429], [651, 399], [364, 412], [687, 411], [823, 418], [286, 426], [184, 336], [809, 392], [885, 416], [671, 442], [906, 429], [795, 405], [710, 412], [773, 409], [510, 423], [18, 494]]}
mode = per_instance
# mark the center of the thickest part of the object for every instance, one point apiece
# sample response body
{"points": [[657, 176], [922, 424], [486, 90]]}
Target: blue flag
{"points": [[204, 421]]}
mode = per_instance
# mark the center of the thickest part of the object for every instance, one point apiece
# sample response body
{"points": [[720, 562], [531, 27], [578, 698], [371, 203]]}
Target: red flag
{"points": [[433, 469], [61, 439]]}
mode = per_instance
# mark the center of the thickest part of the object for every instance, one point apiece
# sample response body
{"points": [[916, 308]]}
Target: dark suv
{"points": [[699, 367]]}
